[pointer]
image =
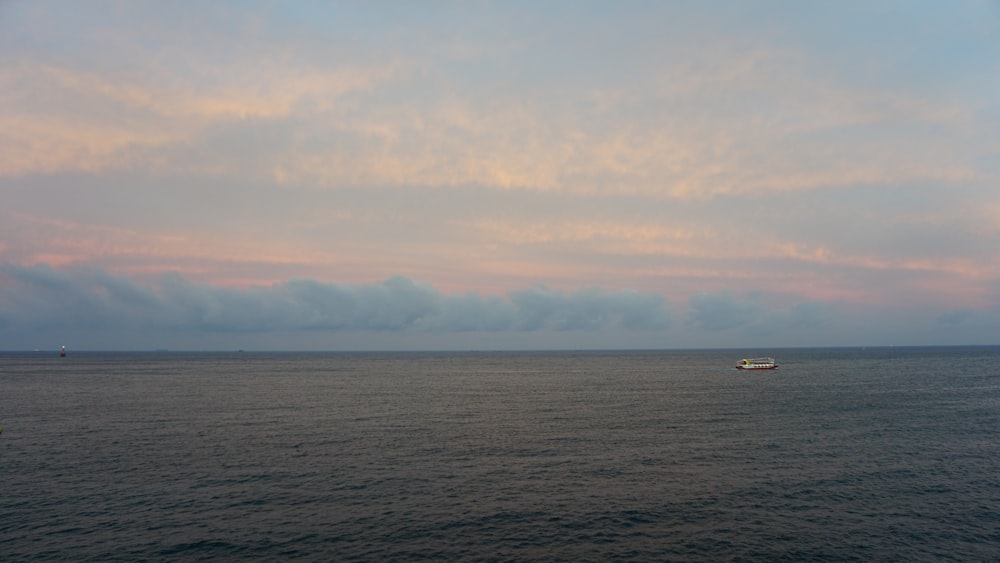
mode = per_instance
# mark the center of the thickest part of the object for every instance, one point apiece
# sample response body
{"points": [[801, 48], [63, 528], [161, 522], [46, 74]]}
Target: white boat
{"points": [[756, 363]]}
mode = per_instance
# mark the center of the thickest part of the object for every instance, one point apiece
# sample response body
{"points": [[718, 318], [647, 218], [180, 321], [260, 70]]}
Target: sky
{"points": [[487, 175]]}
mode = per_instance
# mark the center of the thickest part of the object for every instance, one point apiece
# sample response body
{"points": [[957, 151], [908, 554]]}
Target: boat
{"points": [[756, 363]]}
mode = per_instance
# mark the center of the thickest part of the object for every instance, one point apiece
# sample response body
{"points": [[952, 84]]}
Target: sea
{"points": [[841, 454]]}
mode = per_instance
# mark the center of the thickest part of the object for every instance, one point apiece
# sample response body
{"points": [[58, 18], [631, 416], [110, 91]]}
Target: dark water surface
{"points": [[841, 454]]}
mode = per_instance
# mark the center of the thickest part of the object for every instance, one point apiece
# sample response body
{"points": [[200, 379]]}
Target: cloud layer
{"points": [[40, 296], [762, 168], [40, 305]]}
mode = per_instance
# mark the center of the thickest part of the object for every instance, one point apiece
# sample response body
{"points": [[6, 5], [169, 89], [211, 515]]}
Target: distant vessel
{"points": [[62, 352], [757, 363]]}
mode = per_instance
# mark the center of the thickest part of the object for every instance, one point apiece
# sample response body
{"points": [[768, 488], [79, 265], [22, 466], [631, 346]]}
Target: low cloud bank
{"points": [[724, 311], [40, 296]]}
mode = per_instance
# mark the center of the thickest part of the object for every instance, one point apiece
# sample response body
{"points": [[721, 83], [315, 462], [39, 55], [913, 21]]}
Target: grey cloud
{"points": [[811, 314], [723, 311], [88, 297], [472, 312], [40, 296], [988, 318], [588, 309], [956, 317], [393, 304]]}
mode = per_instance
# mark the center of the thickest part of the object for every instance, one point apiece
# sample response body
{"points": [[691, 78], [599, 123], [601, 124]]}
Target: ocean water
{"points": [[888, 454]]}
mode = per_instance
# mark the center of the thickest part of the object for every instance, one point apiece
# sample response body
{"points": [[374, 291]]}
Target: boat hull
{"points": [[757, 363]]}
